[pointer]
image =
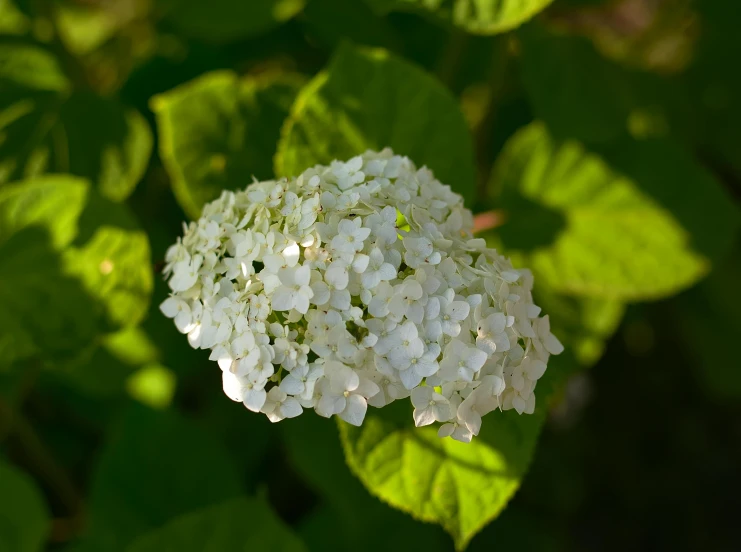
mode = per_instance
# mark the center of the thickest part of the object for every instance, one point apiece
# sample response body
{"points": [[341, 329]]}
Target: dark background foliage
{"points": [[601, 141]]}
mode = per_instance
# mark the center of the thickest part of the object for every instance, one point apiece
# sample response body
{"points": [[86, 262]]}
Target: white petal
{"points": [[552, 344], [282, 299], [519, 404], [232, 386], [360, 263], [423, 416], [170, 307], [292, 385], [410, 378], [355, 410], [290, 408], [458, 310], [446, 430], [254, 399], [421, 396]]}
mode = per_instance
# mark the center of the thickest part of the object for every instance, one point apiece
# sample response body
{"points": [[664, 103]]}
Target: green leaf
{"points": [[107, 143], [582, 324], [221, 528], [31, 67], [316, 454], [12, 20], [475, 16], [44, 127], [711, 313], [219, 131], [37, 317], [602, 223], [115, 268], [460, 486], [24, 517], [122, 353], [221, 21], [65, 277], [333, 21], [582, 95], [156, 466], [371, 99]]}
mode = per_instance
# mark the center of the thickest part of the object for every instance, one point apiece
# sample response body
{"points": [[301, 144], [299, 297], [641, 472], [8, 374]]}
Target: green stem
{"points": [[42, 462]]}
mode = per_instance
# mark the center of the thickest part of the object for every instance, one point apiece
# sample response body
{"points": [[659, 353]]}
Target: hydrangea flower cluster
{"points": [[355, 284]]}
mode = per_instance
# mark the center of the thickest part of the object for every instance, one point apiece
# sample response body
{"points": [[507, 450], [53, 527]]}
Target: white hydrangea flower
{"points": [[356, 285]]}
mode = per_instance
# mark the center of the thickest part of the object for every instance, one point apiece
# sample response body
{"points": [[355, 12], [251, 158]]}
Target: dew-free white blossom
{"points": [[353, 285]]}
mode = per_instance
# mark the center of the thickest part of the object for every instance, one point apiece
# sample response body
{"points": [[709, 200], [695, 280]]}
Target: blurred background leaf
{"points": [[370, 99], [225, 20], [460, 486], [475, 16], [155, 466], [220, 131], [48, 128], [102, 281], [611, 235], [24, 518], [223, 527]]}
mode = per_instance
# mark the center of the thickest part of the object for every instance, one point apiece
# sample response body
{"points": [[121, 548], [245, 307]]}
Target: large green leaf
{"points": [[460, 486], [316, 454], [332, 21], [45, 127], [639, 220], [65, 277], [582, 324], [12, 20], [711, 313], [582, 95], [219, 131], [226, 20], [475, 16], [370, 99], [156, 466], [24, 517], [242, 525], [122, 353]]}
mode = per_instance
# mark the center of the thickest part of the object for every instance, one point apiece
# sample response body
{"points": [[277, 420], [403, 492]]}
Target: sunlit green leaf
{"points": [[460, 486], [156, 466], [24, 517], [370, 99], [65, 276], [153, 385], [12, 20], [620, 223], [219, 131], [226, 20], [44, 127], [475, 16]]}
